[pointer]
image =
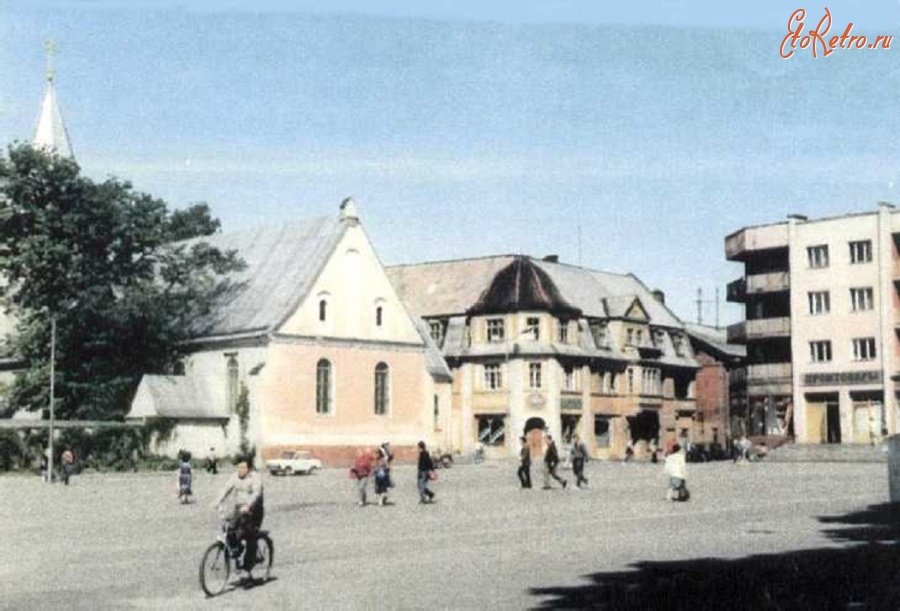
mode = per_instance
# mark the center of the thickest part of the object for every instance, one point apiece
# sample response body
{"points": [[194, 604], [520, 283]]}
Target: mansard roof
{"points": [[521, 286], [451, 288], [283, 262]]}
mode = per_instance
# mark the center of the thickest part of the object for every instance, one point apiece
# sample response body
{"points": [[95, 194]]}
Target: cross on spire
{"points": [[50, 48]]}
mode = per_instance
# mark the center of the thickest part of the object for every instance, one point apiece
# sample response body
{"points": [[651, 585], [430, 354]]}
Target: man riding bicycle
{"points": [[244, 509]]}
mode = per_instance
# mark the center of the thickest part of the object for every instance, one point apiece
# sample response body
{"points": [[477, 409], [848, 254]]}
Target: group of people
{"points": [[66, 466], [376, 465], [578, 454]]}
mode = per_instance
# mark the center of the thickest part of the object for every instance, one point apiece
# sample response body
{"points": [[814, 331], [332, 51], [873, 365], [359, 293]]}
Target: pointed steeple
{"points": [[50, 133]]}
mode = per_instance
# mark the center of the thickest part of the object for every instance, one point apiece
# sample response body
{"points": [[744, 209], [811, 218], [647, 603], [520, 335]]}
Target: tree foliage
{"points": [[101, 259]]}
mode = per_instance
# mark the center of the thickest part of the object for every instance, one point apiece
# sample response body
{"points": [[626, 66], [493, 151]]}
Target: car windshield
{"points": [[287, 455]]}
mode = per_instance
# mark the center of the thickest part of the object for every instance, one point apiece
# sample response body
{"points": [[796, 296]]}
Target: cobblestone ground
{"points": [[121, 541]]}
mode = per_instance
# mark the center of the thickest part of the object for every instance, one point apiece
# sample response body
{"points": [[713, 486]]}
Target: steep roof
{"points": [[50, 133], [283, 262], [522, 286], [450, 288]]}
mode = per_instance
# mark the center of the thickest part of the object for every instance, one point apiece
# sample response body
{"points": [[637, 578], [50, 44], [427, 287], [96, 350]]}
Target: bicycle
{"points": [[215, 567]]}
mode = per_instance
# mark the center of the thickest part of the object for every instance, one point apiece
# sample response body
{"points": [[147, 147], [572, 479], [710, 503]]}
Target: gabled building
{"points": [[330, 358], [536, 344]]}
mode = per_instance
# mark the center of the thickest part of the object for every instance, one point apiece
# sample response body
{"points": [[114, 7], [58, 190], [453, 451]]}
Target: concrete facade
{"points": [[821, 316]]}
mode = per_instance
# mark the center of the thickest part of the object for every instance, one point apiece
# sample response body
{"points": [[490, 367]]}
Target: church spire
{"points": [[51, 134]]}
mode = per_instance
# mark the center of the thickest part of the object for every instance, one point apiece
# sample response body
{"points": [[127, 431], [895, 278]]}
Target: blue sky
{"points": [[463, 129]]}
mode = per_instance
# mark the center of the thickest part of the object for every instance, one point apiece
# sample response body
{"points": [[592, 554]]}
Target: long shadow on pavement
{"points": [[864, 575]]}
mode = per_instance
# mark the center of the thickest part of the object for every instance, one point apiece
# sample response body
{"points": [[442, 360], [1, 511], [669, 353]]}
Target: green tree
{"points": [[99, 258]]}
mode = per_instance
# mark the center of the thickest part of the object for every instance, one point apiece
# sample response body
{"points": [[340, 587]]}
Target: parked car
{"points": [[293, 461]]}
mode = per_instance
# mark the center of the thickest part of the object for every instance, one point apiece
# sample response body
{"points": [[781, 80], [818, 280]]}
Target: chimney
{"points": [[551, 259], [659, 296]]}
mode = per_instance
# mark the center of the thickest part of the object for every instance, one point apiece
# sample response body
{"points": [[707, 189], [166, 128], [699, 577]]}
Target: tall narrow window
{"points": [[323, 310], [819, 302], [495, 330], [862, 299], [382, 394], [493, 379], [323, 387], [817, 256], [861, 252], [378, 315], [820, 351], [534, 375], [563, 332], [629, 378], [437, 413], [232, 377]]}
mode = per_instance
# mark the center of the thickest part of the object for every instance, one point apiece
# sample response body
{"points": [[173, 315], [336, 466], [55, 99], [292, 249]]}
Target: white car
{"points": [[293, 461]]}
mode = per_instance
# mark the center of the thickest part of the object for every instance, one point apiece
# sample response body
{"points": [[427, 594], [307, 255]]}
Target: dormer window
{"points": [[600, 332], [639, 337], [495, 330], [629, 337], [436, 330]]}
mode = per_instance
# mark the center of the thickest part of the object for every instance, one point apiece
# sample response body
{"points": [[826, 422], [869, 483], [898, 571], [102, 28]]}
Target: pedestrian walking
{"points": [[362, 470], [185, 476], [387, 458], [524, 471], [551, 461], [67, 466], [425, 473], [579, 456], [212, 463], [382, 476], [676, 468]]}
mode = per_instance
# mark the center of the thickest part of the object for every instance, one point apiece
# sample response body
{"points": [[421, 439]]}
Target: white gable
{"points": [[352, 293]]}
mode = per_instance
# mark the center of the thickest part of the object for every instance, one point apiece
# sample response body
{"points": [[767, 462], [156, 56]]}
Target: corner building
{"points": [[822, 308], [537, 344]]}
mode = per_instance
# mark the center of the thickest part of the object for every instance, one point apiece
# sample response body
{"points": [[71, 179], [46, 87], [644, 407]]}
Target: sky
{"points": [[630, 139]]}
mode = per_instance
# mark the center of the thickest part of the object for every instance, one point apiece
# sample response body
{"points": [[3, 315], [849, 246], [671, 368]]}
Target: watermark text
{"points": [[818, 41]]}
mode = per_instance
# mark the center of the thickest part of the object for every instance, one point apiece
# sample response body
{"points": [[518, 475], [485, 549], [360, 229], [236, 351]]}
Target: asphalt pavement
{"points": [[776, 532]]}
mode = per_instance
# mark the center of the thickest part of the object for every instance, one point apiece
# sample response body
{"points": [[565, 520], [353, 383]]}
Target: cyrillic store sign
{"points": [[848, 378]]}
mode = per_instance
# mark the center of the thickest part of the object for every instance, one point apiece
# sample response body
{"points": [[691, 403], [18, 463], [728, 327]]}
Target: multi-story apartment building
{"points": [[822, 315], [537, 344]]}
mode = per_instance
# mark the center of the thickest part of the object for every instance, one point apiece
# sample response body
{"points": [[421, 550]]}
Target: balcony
{"points": [[761, 328], [740, 243], [736, 291]]}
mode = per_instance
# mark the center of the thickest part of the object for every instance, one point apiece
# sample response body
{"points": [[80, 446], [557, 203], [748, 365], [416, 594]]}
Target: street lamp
{"points": [[52, 395], [53, 316]]}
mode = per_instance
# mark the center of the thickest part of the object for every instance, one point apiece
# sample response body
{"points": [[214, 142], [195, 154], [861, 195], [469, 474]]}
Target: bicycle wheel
{"points": [[265, 555], [215, 569]]}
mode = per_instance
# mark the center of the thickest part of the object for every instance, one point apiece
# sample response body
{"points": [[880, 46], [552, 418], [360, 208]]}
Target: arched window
{"points": [[382, 389], [323, 386], [232, 382]]}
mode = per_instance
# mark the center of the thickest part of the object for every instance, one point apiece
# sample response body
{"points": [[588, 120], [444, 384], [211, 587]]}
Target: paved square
{"points": [[121, 541]]}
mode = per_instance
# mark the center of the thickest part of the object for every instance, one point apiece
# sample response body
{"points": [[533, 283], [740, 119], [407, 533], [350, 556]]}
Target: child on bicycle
{"points": [[244, 510]]}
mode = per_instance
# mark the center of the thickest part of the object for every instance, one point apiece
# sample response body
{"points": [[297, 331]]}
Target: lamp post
{"points": [[52, 395]]}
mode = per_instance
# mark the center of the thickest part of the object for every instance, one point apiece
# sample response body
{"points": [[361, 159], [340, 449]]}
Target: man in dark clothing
{"points": [[579, 455], [551, 460], [524, 471]]}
